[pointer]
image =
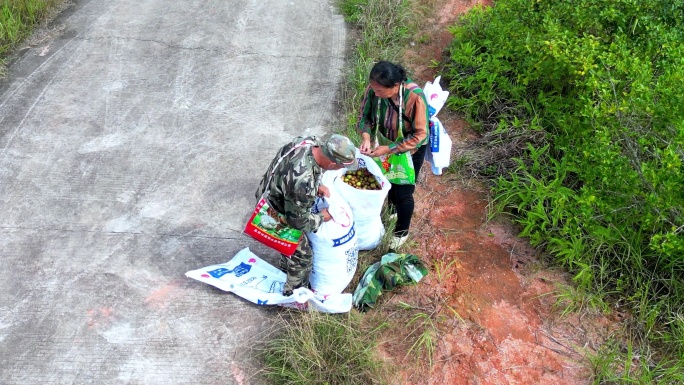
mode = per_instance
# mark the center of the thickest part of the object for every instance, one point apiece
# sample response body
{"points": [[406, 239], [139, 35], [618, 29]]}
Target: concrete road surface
{"points": [[131, 144]]}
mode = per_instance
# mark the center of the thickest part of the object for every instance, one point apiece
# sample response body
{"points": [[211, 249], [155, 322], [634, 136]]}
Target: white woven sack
{"points": [[257, 281], [439, 149], [366, 205], [335, 252], [435, 95], [439, 146]]}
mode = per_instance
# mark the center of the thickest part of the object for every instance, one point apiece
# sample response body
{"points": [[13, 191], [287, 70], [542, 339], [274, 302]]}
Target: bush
{"points": [[603, 192]]}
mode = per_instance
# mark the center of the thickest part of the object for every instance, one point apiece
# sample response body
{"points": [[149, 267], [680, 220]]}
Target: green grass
{"points": [[319, 348], [314, 348], [420, 326], [383, 28], [423, 328], [18, 18], [631, 363], [444, 269], [570, 299]]}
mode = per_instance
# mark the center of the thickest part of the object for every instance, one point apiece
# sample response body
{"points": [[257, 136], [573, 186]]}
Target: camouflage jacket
{"points": [[294, 184]]}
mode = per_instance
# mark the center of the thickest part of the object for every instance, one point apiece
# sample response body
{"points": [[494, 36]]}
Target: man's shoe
{"points": [[287, 290], [396, 242]]}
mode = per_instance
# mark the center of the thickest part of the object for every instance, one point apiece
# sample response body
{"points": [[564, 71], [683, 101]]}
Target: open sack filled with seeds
{"points": [[365, 191]]}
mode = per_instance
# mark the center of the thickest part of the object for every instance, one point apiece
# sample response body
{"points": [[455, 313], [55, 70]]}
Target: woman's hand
{"points": [[323, 191], [365, 146], [379, 151]]}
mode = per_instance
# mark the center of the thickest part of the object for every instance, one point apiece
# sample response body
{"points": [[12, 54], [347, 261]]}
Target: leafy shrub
{"points": [[604, 191]]}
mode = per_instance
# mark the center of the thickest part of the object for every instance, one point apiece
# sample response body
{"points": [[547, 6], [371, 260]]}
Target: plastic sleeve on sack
{"points": [[436, 170]]}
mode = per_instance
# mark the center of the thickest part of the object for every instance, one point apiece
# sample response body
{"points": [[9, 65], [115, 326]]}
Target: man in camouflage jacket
{"points": [[291, 185]]}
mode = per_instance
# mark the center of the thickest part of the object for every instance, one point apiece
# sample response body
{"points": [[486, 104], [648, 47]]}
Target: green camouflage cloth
{"points": [[340, 150], [298, 266], [294, 185], [393, 270]]}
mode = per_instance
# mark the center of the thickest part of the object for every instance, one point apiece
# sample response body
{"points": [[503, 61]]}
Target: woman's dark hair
{"points": [[387, 74]]}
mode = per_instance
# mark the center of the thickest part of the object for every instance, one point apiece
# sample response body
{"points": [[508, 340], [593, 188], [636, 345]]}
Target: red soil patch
{"points": [[505, 330], [507, 333]]}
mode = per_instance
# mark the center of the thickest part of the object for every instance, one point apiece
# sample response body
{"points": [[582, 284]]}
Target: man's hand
{"points": [[274, 214], [323, 191], [326, 215]]}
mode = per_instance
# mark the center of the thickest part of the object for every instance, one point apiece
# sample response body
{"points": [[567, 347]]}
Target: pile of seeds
{"points": [[361, 179]]}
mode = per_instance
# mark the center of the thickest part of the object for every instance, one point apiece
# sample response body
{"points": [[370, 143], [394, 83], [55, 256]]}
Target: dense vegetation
{"points": [[18, 18], [580, 104]]}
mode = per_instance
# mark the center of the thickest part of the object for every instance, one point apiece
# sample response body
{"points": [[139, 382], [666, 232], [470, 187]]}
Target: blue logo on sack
{"points": [[218, 273], [315, 209], [348, 237], [240, 270], [434, 137]]}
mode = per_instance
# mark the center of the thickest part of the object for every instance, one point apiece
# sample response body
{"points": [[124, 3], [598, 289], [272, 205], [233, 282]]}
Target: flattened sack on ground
{"points": [[259, 282]]}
